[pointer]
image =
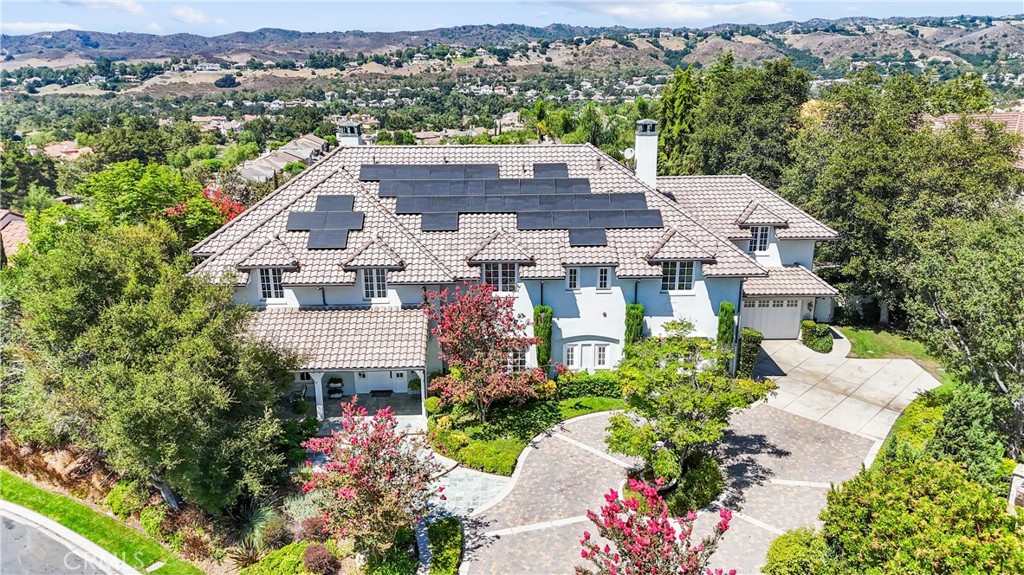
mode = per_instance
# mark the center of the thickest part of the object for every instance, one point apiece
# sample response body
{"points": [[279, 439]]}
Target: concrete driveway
{"points": [[28, 550], [861, 396]]}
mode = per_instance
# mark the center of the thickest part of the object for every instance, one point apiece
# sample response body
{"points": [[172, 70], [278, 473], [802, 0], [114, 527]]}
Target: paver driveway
{"points": [[862, 396]]}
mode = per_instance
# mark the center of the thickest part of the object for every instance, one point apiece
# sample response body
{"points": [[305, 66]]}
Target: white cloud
{"points": [[154, 27], [33, 27], [127, 6], [687, 13], [189, 15]]}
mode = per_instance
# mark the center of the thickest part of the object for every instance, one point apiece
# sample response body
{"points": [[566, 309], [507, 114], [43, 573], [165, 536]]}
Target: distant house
{"points": [[13, 233], [97, 79], [420, 58], [208, 67], [305, 149], [1012, 122], [68, 150]]}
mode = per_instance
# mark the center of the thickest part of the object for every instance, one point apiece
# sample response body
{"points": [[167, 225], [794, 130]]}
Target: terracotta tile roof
{"points": [[788, 281], [757, 214], [446, 256], [375, 253], [274, 253], [13, 231], [676, 246], [720, 202], [335, 339], [1013, 122]]}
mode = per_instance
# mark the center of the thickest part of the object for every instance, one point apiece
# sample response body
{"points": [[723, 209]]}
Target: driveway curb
{"points": [[87, 550]]}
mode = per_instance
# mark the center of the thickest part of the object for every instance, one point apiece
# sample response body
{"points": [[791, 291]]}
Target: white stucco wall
{"points": [[698, 306], [782, 252]]}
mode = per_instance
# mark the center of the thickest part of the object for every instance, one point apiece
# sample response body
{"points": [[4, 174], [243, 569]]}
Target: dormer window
{"points": [[270, 284], [501, 276], [676, 276], [759, 238], [375, 283]]}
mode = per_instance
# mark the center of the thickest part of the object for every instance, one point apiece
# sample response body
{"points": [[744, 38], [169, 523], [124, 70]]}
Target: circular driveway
{"points": [[25, 550], [778, 469]]}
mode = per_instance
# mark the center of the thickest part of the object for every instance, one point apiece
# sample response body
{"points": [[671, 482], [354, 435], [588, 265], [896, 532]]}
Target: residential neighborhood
{"points": [[645, 293]]}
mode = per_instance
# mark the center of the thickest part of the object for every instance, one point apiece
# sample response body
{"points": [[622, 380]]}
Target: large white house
{"points": [[339, 259]]}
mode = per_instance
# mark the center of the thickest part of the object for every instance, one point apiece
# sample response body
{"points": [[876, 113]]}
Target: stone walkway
{"points": [[862, 396]]}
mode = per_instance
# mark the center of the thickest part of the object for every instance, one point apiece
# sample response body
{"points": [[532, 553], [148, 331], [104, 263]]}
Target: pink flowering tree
{"points": [[376, 480], [479, 333], [645, 540]]}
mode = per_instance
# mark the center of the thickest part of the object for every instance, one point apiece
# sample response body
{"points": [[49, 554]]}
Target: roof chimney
{"points": [[646, 148], [350, 134]]}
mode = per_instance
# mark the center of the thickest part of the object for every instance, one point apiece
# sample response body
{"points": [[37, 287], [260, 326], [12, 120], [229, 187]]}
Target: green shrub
{"points": [[415, 383], [432, 405], [967, 434], [450, 442], [602, 383], [495, 456], [125, 499], [816, 336], [294, 433], [797, 552], [287, 560], [750, 344], [726, 324], [318, 559], [398, 560], [152, 519], [542, 315], [807, 330], [300, 407], [445, 546], [634, 322], [701, 483]]}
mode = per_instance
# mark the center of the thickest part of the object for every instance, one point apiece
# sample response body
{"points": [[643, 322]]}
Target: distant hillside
{"points": [[829, 48]]}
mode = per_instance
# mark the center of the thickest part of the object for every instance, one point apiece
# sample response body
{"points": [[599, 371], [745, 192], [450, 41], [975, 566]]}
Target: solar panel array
{"points": [[551, 200], [330, 222]]}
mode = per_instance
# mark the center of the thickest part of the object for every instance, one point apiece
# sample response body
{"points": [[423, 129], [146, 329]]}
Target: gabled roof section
{"points": [[499, 247], [272, 254], [375, 253], [674, 245], [795, 280], [719, 201], [757, 214]]}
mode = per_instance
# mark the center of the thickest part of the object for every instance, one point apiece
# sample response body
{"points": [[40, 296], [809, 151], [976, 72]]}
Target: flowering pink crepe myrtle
{"points": [[647, 542], [376, 480]]}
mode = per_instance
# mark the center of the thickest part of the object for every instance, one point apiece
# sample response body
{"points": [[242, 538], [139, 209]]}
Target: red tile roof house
{"points": [[338, 259]]}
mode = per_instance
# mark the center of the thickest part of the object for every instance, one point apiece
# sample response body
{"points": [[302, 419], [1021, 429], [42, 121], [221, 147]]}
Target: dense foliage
{"points": [[750, 345], [634, 323], [542, 317], [445, 546]]}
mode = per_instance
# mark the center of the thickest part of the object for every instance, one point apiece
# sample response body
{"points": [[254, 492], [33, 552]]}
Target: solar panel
{"points": [[570, 219], [477, 171], [591, 201], [591, 237], [343, 221], [408, 205], [579, 185], [607, 219], [334, 203], [474, 187], [533, 221], [643, 219], [301, 221], [327, 239], [371, 172], [446, 222], [522, 203], [628, 201], [550, 171]]}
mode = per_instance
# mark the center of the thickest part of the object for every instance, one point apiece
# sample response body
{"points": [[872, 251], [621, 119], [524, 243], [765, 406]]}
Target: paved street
{"points": [[25, 550]]}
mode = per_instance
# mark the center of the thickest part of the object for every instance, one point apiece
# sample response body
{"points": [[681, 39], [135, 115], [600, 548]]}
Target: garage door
{"points": [[775, 318], [367, 381]]}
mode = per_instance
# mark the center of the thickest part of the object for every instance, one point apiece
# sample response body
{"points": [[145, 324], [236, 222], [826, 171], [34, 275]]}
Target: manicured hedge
{"points": [[726, 324], [634, 322], [445, 546], [816, 336], [797, 552], [288, 559], [750, 343], [583, 384], [542, 315]]}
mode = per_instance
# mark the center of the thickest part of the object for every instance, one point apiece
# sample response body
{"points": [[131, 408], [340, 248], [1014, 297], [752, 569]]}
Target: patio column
{"points": [[423, 391], [318, 390]]}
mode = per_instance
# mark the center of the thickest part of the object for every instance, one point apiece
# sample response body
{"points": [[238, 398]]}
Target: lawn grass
{"points": [[494, 446], [877, 343], [126, 543]]}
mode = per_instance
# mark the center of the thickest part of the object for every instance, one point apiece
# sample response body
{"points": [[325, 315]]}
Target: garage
{"points": [[775, 318]]}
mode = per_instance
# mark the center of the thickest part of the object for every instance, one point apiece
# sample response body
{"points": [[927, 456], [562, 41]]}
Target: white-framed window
{"points": [[677, 276], [397, 375], [762, 303], [748, 303], [501, 276], [304, 377], [270, 284], [375, 283], [603, 277], [360, 375], [778, 303], [572, 278], [517, 360], [792, 303], [601, 356], [759, 238], [571, 359]]}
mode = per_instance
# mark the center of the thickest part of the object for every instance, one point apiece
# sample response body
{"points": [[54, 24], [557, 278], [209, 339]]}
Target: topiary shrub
{"points": [[445, 546], [750, 344], [152, 521], [726, 324], [542, 316], [634, 323], [701, 483], [797, 552], [288, 559], [602, 383], [318, 559], [807, 330], [491, 456], [432, 405], [125, 499], [816, 336]]}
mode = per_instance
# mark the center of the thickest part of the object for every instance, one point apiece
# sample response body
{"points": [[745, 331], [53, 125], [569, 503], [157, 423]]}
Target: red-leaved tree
{"points": [[376, 480], [645, 540], [479, 333]]}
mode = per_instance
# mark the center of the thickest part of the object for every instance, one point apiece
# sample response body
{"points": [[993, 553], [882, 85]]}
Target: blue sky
{"points": [[221, 16]]}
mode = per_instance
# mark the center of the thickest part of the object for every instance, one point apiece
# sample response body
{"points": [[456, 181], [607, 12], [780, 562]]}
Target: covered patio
{"points": [[377, 354]]}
